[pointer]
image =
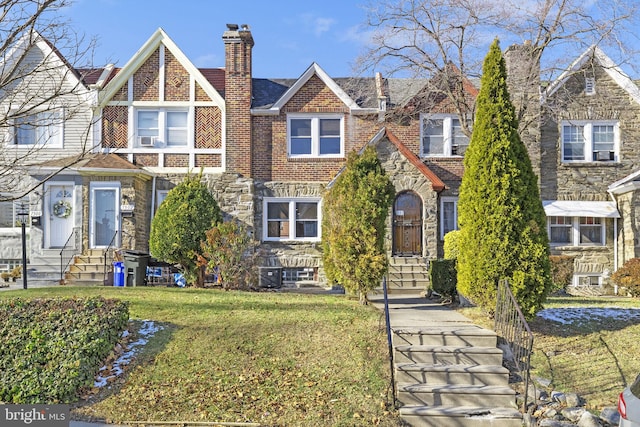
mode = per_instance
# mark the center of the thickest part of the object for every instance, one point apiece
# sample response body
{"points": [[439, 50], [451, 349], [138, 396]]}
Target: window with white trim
{"points": [[587, 280], [315, 135], [442, 135], [576, 231], [291, 219], [42, 128], [448, 215], [162, 127], [9, 210], [584, 141]]}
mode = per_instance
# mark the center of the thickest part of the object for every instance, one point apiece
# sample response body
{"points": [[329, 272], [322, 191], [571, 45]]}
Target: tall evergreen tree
{"points": [[354, 213], [502, 221]]}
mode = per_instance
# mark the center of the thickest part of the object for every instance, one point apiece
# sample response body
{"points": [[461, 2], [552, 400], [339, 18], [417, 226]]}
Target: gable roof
{"points": [[596, 54], [157, 38], [290, 87]]}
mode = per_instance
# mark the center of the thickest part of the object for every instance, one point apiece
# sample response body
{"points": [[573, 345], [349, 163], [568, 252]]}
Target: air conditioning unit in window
{"points": [[147, 141], [604, 156], [454, 149]]}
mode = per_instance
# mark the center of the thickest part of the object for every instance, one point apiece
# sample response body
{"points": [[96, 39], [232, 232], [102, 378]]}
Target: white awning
{"points": [[580, 208]]}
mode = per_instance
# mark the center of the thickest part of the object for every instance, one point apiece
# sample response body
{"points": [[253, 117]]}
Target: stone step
{"points": [[85, 275], [407, 261], [464, 335], [76, 268], [467, 416], [421, 373], [456, 395], [91, 259], [448, 355]]}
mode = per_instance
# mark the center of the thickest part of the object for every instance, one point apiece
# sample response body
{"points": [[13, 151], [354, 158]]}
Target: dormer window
{"points": [[584, 141], [442, 135], [315, 135]]}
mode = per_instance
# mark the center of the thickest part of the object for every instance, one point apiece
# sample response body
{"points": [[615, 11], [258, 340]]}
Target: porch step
{"points": [[468, 416], [455, 395], [88, 269], [463, 335], [448, 355], [408, 274], [423, 373]]}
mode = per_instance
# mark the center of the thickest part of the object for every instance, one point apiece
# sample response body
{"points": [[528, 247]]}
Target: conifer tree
{"points": [[354, 213], [502, 221], [180, 225]]}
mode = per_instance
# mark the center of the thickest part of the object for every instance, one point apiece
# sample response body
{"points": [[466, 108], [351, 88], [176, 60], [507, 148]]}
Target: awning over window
{"points": [[580, 208]]}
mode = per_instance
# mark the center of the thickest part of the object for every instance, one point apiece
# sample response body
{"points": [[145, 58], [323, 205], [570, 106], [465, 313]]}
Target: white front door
{"points": [[104, 214], [59, 214]]}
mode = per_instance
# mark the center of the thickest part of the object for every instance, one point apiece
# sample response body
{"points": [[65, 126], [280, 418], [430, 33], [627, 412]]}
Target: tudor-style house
{"points": [[269, 148]]}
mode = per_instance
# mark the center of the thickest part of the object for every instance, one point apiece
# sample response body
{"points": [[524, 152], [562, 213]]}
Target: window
{"points": [[590, 86], [577, 231], [292, 219], [448, 215], [163, 127], [587, 280], [442, 135], [311, 136], [39, 128], [590, 141], [9, 212]]}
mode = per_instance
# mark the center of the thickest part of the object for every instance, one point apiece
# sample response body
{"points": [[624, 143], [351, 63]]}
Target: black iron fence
{"points": [[513, 330]]}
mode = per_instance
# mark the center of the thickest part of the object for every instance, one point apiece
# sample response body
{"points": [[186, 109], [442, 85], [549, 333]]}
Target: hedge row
{"points": [[51, 348]]}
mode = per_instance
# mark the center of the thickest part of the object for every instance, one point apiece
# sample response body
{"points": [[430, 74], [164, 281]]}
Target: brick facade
{"points": [[176, 82], [208, 127], [146, 80]]}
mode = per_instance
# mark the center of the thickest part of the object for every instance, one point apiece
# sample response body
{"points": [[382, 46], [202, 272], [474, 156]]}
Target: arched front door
{"points": [[407, 225]]}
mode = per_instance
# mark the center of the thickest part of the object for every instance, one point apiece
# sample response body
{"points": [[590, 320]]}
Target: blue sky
{"points": [[288, 35]]}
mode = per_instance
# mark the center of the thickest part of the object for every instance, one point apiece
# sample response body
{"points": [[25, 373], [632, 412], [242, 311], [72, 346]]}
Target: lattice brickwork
{"points": [[208, 127], [114, 127]]}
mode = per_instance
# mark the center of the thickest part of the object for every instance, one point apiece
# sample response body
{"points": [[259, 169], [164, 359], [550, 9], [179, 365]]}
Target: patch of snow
{"points": [[577, 315], [146, 331]]}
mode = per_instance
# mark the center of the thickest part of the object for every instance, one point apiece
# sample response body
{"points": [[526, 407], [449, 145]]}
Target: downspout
{"points": [[615, 234], [153, 198]]}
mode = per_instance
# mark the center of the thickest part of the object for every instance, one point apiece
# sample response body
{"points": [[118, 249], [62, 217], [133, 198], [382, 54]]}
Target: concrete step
{"points": [[422, 373], [464, 335], [456, 395], [461, 416], [393, 261], [89, 268], [85, 275], [448, 355], [91, 259]]}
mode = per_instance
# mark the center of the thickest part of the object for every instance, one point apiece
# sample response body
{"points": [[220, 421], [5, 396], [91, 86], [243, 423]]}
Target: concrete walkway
{"points": [[413, 310]]}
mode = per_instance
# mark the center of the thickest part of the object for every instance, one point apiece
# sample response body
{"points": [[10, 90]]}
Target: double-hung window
{"points": [[442, 135], [292, 219], [315, 136], [448, 215], [42, 128], [576, 231], [585, 141], [162, 128]]}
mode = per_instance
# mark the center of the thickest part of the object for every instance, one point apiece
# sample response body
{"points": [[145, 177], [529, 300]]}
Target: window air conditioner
{"points": [[454, 149], [147, 141], [604, 155]]}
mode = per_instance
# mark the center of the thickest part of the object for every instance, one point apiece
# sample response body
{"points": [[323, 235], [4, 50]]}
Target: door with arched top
{"points": [[407, 225]]}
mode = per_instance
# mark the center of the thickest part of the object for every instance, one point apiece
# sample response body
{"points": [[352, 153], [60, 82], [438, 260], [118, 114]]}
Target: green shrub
{"points": [[561, 271], [442, 275], [628, 277], [51, 348], [451, 246]]}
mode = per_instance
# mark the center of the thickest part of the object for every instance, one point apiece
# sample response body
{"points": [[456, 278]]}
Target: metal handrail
{"points": [[65, 251], [389, 339], [106, 252], [512, 327]]}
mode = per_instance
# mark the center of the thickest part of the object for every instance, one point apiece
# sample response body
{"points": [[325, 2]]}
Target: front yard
{"points": [[269, 358]]}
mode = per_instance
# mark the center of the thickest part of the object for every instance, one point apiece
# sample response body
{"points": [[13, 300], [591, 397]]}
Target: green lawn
{"points": [[594, 352], [267, 358]]}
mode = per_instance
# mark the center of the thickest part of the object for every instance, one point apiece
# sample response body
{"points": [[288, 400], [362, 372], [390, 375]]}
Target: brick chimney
{"points": [[237, 48]]}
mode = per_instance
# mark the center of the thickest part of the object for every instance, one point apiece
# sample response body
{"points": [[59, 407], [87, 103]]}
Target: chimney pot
{"points": [[232, 27], [244, 27]]}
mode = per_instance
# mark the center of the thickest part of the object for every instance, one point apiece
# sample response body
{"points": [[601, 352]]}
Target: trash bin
{"points": [[118, 273], [135, 264]]}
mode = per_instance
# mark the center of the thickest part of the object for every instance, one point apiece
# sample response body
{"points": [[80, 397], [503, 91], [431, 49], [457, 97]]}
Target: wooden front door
{"points": [[407, 225]]}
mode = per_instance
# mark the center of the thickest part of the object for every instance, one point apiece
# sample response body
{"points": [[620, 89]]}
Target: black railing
{"points": [[67, 254], [389, 339], [513, 329], [106, 253]]}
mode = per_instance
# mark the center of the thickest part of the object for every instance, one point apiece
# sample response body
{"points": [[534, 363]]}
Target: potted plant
{"points": [[5, 276], [16, 272]]}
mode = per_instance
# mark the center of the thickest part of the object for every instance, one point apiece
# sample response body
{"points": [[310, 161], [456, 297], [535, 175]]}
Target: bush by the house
{"points": [[442, 275], [451, 247], [561, 271], [229, 250], [51, 348], [628, 277]]}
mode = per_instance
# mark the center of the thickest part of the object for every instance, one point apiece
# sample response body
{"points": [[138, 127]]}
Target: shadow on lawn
{"points": [[570, 321], [140, 352]]}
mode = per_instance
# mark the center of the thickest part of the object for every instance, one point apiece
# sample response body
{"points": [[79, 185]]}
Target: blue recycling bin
{"points": [[118, 273]]}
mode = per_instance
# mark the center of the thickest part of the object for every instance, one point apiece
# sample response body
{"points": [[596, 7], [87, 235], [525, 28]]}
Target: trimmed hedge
{"points": [[443, 277], [51, 348]]}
